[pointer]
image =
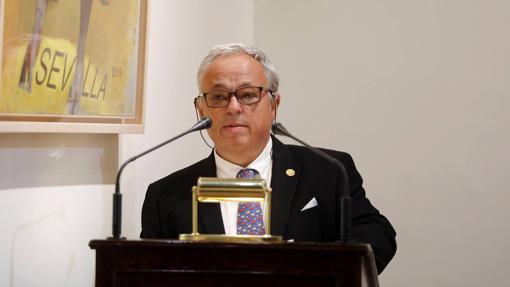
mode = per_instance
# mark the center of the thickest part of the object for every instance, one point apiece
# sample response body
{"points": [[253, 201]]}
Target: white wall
{"points": [[54, 198], [418, 92], [55, 190]]}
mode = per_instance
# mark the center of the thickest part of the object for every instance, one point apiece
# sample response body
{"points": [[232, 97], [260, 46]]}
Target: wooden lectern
{"points": [[183, 263]]}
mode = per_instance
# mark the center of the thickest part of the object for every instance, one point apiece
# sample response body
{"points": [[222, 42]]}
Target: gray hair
{"points": [[238, 48]]}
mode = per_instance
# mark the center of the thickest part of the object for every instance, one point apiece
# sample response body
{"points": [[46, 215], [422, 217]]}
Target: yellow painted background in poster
{"points": [[110, 58]]}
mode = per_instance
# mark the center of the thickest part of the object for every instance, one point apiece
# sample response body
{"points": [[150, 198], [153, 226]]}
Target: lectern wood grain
{"points": [[182, 263]]}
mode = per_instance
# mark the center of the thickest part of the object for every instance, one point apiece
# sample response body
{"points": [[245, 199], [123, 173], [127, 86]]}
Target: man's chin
{"points": [[238, 144], [232, 133], [235, 143]]}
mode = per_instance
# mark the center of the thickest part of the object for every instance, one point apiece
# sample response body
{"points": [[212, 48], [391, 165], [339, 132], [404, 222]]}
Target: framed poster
{"points": [[72, 65]]}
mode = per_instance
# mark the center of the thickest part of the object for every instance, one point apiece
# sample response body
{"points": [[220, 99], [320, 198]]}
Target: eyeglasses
{"points": [[245, 96]]}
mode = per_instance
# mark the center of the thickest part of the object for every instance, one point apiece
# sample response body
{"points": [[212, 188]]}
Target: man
{"points": [[239, 92]]}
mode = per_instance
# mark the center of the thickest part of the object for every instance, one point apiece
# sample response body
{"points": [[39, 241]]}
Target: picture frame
{"points": [[72, 66]]}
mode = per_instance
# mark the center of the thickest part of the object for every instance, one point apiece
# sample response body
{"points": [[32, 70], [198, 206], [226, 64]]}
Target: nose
{"points": [[233, 107]]}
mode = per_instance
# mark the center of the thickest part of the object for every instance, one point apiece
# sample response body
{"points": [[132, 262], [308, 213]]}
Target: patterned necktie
{"points": [[249, 214]]}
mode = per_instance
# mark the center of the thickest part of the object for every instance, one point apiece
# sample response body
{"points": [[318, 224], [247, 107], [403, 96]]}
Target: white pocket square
{"points": [[310, 204]]}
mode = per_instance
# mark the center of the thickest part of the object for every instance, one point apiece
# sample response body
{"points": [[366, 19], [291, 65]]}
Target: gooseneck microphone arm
{"points": [[345, 200], [204, 123]]}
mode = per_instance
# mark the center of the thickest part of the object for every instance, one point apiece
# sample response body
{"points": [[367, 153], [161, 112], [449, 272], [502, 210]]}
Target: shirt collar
{"points": [[226, 169]]}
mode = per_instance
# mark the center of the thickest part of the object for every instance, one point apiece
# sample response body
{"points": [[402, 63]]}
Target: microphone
{"points": [[345, 201], [204, 123]]}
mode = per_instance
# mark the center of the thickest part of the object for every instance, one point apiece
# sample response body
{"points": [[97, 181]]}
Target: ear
{"points": [[198, 107], [197, 102], [275, 102]]}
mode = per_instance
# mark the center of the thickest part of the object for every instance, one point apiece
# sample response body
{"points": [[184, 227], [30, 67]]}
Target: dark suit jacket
{"points": [[166, 210]]}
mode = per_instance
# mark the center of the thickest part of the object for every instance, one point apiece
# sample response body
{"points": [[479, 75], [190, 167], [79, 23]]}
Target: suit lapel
{"points": [[284, 180], [209, 214], [283, 185]]}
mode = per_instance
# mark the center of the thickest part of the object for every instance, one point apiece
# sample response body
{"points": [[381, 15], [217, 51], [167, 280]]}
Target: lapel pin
{"points": [[290, 172]]}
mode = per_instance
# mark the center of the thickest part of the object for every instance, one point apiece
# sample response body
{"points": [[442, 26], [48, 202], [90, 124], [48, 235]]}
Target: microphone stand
{"points": [[205, 123], [345, 200]]}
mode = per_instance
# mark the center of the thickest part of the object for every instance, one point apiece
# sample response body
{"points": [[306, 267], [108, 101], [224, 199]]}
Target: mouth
{"points": [[234, 126]]}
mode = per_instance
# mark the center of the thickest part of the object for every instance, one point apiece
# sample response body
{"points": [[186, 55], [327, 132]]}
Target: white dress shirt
{"points": [[225, 169]]}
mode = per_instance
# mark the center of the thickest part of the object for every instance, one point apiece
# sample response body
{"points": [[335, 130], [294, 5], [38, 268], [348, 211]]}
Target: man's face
{"points": [[238, 131]]}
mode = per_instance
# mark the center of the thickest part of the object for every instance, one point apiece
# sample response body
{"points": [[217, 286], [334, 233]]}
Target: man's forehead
{"points": [[225, 85]]}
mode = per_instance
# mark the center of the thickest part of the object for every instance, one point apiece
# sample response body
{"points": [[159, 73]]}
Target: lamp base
{"points": [[231, 238]]}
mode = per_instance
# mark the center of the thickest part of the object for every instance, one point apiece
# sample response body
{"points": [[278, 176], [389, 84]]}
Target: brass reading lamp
{"points": [[215, 190]]}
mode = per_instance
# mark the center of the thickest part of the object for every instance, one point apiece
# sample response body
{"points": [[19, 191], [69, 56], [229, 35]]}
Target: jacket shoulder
{"points": [[184, 179], [304, 153]]}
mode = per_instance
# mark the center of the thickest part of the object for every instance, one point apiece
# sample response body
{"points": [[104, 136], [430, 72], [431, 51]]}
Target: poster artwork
{"points": [[69, 57]]}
